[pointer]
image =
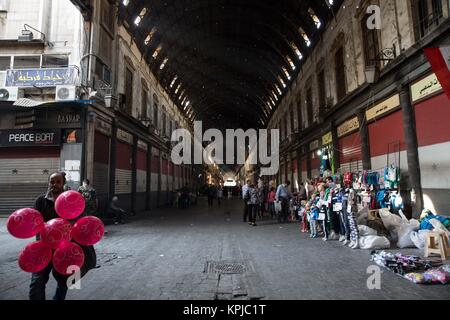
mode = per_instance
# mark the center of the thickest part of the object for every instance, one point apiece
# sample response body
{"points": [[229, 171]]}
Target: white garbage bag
{"points": [[362, 216], [390, 221], [366, 231], [418, 238], [374, 242], [404, 232]]}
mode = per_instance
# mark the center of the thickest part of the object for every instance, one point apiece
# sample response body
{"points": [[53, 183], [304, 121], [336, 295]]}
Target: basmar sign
{"points": [[25, 138], [40, 77]]}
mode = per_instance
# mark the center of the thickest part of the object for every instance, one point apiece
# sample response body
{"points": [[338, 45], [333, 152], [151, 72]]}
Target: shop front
{"points": [[34, 143], [165, 180], [155, 178], [350, 146], [432, 110], [124, 170], [102, 150], [315, 159], [386, 135], [326, 155], [141, 175], [295, 177]]}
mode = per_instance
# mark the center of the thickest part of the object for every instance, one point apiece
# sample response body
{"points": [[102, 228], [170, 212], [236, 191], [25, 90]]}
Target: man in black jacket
{"points": [[45, 204]]}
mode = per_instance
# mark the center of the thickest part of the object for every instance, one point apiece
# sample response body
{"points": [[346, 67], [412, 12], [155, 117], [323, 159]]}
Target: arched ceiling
{"points": [[226, 57]]}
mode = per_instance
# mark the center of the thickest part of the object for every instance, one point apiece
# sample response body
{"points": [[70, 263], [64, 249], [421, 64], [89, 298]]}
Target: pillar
{"points": [[112, 161], [365, 142], [308, 164], [134, 151], [159, 179], [148, 198], [409, 125], [336, 153], [299, 168]]}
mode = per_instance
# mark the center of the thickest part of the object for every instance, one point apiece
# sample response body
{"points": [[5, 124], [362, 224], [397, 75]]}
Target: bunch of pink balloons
{"points": [[56, 235]]}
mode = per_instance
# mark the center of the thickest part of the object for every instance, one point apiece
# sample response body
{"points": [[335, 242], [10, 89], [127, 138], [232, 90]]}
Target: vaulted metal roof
{"points": [[226, 62]]}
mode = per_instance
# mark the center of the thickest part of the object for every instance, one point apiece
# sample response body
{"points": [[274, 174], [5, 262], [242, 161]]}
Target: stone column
{"points": [[112, 161], [365, 142], [299, 167], [336, 152], [148, 198], [409, 125], [134, 151]]}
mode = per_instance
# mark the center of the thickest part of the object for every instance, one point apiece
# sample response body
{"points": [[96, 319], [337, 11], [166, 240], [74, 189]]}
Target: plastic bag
{"points": [[418, 238], [362, 216], [374, 242], [404, 235], [366, 231], [439, 226], [390, 221], [277, 206]]}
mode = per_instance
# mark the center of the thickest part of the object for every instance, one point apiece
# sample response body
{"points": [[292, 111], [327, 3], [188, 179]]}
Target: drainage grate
{"points": [[225, 267]]}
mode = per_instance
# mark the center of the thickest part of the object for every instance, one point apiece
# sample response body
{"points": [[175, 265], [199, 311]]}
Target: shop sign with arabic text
{"points": [[41, 77], [425, 87]]}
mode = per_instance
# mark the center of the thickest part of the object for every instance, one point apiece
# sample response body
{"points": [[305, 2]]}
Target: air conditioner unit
{"points": [[10, 94], [66, 93]]}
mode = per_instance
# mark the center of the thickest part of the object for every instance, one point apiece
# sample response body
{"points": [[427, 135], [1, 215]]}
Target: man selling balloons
{"points": [[61, 246]]}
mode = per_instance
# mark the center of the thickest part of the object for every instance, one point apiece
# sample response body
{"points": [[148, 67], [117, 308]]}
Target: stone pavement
{"points": [[164, 254]]}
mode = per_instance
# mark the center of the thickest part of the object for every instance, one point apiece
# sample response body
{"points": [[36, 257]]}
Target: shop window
{"points": [[102, 71], [128, 90], [322, 91], [107, 16], [55, 61], [155, 115], [309, 106], [5, 63], [339, 65], [428, 15], [144, 102], [72, 136], [299, 114], [164, 124], [26, 62], [370, 42]]}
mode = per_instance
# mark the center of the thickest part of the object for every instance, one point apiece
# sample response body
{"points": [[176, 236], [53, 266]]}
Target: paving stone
{"points": [[285, 263]]}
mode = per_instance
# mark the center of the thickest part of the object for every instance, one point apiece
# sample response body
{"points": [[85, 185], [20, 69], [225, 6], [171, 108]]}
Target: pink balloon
{"points": [[70, 205], [35, 257], [55, 232], [88, 231], [67, 255], [25, 223]]}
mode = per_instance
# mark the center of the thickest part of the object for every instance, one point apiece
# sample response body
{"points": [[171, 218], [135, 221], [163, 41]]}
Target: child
{"points": [[271, 201], [313, 216], [302, 214]]}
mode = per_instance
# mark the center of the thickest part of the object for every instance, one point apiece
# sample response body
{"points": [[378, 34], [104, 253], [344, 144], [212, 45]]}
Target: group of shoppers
{"points": [[261, 198]]}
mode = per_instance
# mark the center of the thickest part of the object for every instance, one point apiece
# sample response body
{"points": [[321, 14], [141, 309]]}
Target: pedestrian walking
{"points": [[245, 199], [219, 195], [45, 204], [284, 195], [253, 203], [90, 197]]}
